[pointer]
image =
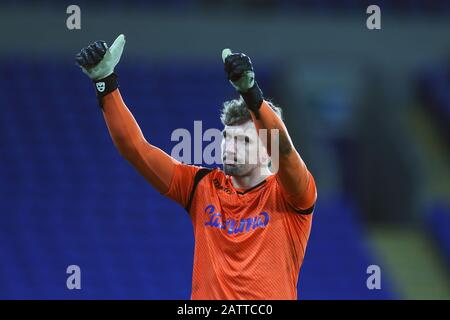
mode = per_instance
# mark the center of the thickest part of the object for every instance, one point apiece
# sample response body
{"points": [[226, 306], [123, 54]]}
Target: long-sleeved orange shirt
{"points": [[249, 244]]}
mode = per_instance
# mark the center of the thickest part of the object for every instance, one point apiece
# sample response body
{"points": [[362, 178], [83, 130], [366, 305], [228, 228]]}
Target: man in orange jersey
{"points": [[251, 225]]}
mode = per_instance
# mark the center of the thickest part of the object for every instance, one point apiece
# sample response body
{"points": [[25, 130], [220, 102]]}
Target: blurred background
{"points": [[369, 111]]}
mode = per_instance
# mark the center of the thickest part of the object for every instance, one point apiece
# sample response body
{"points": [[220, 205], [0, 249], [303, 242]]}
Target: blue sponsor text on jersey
{"points": [[233, 226]]}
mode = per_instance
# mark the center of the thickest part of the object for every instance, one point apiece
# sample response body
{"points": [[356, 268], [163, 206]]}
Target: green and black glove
{"points": [[239, 70], [98, 62]]}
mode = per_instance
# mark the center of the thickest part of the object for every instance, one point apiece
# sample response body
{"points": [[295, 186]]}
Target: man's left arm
{"points": [[293, 176]]}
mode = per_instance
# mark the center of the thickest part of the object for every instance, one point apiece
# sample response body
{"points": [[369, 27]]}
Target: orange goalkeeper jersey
{"points": [[248, 244]]}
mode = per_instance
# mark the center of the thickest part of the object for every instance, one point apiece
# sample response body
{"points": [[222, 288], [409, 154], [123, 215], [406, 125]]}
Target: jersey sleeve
{"points": [[182, 183], [304, 203]]}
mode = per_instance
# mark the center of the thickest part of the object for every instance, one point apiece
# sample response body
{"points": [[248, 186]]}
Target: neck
{"points": [[256, 176]]}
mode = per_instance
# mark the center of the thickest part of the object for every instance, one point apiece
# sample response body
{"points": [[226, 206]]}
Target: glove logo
{"points": [[100, 86]]}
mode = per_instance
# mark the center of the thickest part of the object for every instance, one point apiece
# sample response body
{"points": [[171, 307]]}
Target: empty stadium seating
{"points": [[67, 197]]}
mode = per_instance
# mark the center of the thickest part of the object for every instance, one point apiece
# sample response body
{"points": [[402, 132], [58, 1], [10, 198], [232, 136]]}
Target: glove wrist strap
{"points": [[105, 86], [253, 98]]}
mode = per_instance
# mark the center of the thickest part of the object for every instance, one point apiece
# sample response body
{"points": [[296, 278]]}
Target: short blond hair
{"points": [[235, 112]]}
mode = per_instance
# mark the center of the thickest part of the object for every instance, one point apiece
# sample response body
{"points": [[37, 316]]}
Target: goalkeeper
{"points": [[251, 226]]}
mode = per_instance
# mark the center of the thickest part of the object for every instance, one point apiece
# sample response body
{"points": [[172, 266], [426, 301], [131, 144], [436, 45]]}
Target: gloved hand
{"points": [[240, 73], [98, 63]]}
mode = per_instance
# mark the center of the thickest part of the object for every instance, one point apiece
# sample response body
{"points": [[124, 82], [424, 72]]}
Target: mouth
{"points": [[229, 162]]}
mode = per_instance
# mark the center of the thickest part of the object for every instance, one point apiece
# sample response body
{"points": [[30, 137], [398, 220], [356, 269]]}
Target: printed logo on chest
{"points": [[234, 226]]}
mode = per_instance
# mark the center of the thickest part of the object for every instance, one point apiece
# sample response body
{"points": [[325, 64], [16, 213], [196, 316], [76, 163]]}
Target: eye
{"points": [[247, 139], [225, 135]]}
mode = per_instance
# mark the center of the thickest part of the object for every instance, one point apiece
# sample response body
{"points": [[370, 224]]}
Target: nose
{"points": [[229, 159], [229, 148], [229, 156]]}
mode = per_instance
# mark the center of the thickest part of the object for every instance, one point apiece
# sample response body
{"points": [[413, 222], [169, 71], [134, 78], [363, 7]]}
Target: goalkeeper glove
{"points": [[239, 70], [98, 62]]}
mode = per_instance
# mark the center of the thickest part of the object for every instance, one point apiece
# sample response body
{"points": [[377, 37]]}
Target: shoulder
{"points": [[302, 204], [209, 176]]}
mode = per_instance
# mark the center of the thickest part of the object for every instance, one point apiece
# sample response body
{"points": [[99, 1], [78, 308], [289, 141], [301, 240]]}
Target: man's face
{"points": [[240, 150]]}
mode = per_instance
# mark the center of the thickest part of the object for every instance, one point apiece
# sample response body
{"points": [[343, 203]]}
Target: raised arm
{"points": [[155, 165], [292, 172], [98, 62], [293, 175]]}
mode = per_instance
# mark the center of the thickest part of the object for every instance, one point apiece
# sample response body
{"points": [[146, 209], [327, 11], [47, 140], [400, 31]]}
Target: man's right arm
{"points": [[155, 165], [165, 174]]}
